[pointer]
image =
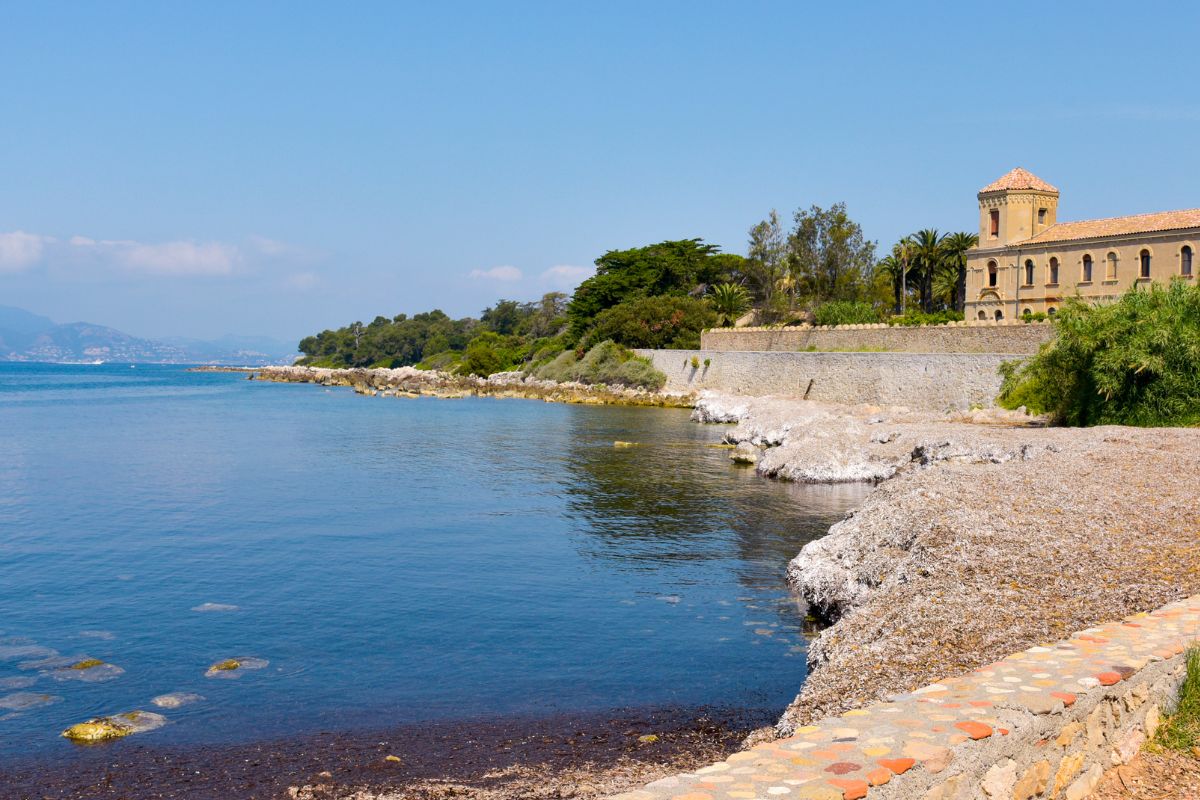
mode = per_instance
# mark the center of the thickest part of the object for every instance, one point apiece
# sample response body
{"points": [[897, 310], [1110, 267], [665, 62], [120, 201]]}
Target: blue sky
{"points": [[277, 168]]}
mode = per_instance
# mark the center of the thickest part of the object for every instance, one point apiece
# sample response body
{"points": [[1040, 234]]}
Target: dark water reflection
{"points": [[392, 560]]}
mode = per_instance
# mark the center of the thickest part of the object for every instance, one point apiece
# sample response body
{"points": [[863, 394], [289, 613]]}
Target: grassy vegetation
{"points": [[1180, 730], [1133, 362], [607, 363], [846, 312]]}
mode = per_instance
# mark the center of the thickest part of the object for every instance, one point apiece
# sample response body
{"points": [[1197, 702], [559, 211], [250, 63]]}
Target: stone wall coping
{"points": [[882, 325], [895, 354], [1068, 709]]}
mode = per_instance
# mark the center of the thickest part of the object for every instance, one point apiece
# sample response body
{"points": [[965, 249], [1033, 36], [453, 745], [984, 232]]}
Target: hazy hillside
{"points": [[25, 336]]}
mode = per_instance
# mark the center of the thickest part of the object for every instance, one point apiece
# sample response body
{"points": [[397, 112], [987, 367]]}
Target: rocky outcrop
{"points": [[810, 442], [987, 534], [412, 382]]}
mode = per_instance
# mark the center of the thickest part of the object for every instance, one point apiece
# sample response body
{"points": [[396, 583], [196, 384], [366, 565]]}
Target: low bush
{"points": [[1132, 362], [607, 363], [846, 312], [446, 361]]}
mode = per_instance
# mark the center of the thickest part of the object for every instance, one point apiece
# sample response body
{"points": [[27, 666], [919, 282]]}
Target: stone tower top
{"points": [[1016, 207]]}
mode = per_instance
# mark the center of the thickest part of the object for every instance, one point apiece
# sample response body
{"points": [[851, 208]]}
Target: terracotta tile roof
{"points": [[1018, 179], [1118, 226]]}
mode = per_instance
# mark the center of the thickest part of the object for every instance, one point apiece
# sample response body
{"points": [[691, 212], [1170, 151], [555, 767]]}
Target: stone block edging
{"points": [[1043, 723]]}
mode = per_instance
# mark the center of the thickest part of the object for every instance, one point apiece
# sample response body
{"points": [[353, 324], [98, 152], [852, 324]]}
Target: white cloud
{"points": [[567, 276], [504, 273], [179, 258], [87, 256], [20, 250]]}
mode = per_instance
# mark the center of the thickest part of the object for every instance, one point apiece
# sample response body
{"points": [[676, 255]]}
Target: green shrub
{"points": [[1132, 362], [730, 301], [912, 318], [607, 363], [846, 312], [446, 361], [1039, 316], [665, 321]]}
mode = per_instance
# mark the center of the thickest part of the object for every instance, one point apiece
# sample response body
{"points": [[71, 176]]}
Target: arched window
{"points": [[1054, 271], [983, 315], [1087, 269], [1145, 261], [999, 315], [1028, 312], [1052, 311], [1111, 268], [1185, 261], [1028, 272], [991, 273]]}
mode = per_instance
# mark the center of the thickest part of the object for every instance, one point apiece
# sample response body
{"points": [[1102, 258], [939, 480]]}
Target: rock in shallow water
{"points": [[176, 699], [208, 607], [235, 667], [88, 670], [100, 729], [19, 701]]}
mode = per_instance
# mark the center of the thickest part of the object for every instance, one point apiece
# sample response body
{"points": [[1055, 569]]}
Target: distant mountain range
{"points": [[25, 336]]}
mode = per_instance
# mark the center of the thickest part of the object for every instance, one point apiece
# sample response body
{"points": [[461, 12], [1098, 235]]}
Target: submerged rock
{"points": [[176, 699], [207, 607], [234, 667], [89, 670], [101, 729], [19, 701], [107, 636], [14, 648]]}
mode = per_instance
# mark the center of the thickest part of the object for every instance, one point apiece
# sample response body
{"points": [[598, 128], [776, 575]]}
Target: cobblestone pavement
{"points": [[844, 757]]}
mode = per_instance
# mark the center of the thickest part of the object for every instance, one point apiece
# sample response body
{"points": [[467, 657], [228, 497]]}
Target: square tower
{"points": [[1014, 208]]}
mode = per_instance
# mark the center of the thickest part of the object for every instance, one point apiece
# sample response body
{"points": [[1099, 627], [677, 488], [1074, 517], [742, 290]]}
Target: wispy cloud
{"points": [[502, 273], [567, 276], [20, 250], [176, 258]]}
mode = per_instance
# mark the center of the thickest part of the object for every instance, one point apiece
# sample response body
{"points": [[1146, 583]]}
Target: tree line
{"points": [[819, 269]]}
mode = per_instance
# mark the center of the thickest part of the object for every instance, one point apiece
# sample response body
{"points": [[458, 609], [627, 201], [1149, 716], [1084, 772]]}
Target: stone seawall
{"points": [[928, 381], [1045, 722], [1014, 337]]}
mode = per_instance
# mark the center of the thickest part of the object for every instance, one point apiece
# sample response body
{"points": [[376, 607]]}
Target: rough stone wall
{"points": [[926, 381], [1012, 337], [1043, 723]]}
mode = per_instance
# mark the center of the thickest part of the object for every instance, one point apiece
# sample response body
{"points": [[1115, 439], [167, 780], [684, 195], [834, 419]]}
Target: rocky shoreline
{"points": [[411, 382], [987, 534]]}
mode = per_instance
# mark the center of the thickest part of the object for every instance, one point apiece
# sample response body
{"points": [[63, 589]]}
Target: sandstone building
{"points": [[1028, 262]]}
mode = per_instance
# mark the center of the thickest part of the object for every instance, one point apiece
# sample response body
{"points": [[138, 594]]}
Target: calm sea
{"points": [[391, 560]]}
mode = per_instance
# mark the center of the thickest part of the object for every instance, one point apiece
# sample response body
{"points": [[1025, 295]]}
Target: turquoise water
{"points": [[390, 560]]}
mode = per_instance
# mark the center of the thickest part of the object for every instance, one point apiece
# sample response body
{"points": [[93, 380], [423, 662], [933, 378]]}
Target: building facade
{"points": [[1029, 262]]}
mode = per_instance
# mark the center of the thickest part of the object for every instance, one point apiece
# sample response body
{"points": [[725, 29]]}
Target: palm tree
{"points": [[730, 301], [928, 256], [956, 246], [893, 268]]}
